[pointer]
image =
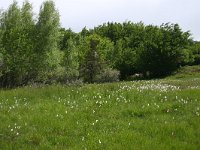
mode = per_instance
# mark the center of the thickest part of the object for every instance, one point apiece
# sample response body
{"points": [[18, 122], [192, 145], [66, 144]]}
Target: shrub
{"points": [[108, 75]]}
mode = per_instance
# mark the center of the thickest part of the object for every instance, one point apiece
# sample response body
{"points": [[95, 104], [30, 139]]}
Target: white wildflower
{"points": [[99, 141]]}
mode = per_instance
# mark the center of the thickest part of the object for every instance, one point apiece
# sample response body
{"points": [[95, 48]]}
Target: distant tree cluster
{"points": [[39, 50]]}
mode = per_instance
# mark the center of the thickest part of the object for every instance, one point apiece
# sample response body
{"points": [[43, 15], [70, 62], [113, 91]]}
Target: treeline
{"points": [[39, 50]]}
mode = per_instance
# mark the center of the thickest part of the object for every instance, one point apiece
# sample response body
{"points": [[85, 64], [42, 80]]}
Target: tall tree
{"points": [[47, 38], [70, 60], [26, 42], [10, 24], [1, 46], [161, 52], [17, 26], [94, 57]]}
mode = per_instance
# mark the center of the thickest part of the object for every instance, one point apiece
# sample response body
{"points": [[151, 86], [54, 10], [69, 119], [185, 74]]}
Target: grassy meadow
{"points": [[148, 114]]}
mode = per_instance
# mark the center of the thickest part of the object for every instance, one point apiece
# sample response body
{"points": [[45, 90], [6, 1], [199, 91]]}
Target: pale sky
{"points": [[76, 14]]}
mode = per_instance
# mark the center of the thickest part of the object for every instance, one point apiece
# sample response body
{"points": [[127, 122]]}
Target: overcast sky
{"points": [[76, 14]]}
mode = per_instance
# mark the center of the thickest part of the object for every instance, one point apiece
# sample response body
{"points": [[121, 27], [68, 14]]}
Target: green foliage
{"points": [[1, 46], [17, 25], [126, 38], [113, 31], [187, 72], [84, 32], [195, 49], [41, 51], [124, 58], [187, 57], [108, 75], [53, 72], [71, 61], [69, 46], [94, 56], [48, 27], [66, 38], [140, 48], [30, 51], [1, 65], [48, 57]]}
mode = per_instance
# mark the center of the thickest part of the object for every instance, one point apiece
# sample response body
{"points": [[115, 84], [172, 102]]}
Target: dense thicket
{"points": [[39, 50], [150, 50]]}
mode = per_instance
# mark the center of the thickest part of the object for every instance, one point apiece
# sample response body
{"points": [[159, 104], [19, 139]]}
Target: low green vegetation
{"points": [[186, 72], [151, 114]]}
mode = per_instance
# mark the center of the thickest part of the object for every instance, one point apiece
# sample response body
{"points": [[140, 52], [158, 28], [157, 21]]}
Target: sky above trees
{"points": [[76, 14]]}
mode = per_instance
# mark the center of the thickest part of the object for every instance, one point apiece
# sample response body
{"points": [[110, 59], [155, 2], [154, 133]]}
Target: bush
{"points": [[108, 75], [136, 76], [70, 75]]}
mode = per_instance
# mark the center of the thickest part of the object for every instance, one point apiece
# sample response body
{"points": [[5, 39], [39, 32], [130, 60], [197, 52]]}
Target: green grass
{"points": [[156, 114], [187, 72]]}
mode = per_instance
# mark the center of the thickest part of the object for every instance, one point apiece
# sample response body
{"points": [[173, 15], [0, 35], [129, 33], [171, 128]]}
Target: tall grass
{"points": [[156, 114]]}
